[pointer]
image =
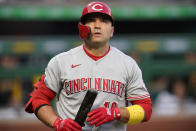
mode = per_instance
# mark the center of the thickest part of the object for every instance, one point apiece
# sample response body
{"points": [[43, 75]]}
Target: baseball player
{"points": [[122, 96]]}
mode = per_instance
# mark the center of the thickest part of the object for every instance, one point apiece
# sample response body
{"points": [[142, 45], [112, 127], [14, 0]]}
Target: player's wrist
{"points": [[57, 123]]}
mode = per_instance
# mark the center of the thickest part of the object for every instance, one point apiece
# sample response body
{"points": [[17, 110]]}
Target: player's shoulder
{"points": [[126, 61], [121, 55]]}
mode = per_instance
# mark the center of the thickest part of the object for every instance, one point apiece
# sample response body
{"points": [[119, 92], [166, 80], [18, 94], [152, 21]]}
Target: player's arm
{"points": [[39, 104], [47, 115], [137, 93], [139, 111]]}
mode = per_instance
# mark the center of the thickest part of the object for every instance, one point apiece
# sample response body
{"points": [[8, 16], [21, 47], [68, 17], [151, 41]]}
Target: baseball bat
{"points": [[85, 107]]}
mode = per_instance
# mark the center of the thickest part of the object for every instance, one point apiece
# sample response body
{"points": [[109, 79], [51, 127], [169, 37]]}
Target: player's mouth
{"points": [[97, 34]]}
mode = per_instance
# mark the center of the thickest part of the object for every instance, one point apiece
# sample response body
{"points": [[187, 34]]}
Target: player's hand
{"points": [[66, 125], [103, 115]]}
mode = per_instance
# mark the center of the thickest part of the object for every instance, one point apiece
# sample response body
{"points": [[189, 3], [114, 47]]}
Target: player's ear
{"points": [[112, 31]]}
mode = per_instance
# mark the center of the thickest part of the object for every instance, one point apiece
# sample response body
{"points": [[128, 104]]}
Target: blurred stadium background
{"points": [[159, 34]]}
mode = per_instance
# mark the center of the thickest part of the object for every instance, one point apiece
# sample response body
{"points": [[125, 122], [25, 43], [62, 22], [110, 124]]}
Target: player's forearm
{"points": [[47, 115]]}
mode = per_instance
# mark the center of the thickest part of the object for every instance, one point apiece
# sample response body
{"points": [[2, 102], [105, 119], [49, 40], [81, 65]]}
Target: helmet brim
{"points": [[84, 18]]}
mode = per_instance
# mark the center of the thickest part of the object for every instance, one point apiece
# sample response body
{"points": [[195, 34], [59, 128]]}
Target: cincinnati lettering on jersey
{"points": [[99, 84]]}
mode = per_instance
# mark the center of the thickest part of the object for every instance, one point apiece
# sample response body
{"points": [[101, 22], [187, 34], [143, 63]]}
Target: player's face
{"points": [[101, 29]]}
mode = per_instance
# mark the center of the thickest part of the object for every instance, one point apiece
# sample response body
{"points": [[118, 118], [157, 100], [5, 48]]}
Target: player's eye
{"points": [[105, 20], [90, 20]]}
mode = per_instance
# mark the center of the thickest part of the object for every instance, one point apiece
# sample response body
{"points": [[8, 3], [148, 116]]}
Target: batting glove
{"points": [[103, 115], [66, 125]]}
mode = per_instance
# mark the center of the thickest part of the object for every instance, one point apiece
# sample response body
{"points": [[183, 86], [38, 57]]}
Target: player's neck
{"points": [[98, 51]]}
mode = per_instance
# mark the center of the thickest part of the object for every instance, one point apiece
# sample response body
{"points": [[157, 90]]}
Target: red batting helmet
{"points": [[93, 7]]}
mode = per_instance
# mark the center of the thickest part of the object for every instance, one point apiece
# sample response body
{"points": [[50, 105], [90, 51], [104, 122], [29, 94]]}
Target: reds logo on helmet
{"points": [[97, 7], [94, 7]]}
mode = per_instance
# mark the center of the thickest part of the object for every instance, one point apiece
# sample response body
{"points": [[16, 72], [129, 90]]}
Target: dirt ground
{"points": [[155, 124]]}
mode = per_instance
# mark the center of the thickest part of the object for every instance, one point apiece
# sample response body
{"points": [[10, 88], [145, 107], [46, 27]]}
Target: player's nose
{"points": [[97, 24]]}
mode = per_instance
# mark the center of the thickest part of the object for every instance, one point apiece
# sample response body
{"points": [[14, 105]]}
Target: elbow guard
{"points": [[41, 95], [146, 104]]}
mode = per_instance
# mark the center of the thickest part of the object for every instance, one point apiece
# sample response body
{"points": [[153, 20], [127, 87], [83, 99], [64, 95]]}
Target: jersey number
{"points": [[110, 105]]}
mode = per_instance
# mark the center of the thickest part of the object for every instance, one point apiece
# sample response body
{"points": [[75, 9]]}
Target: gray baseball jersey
{"points": [[116, 77]]}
